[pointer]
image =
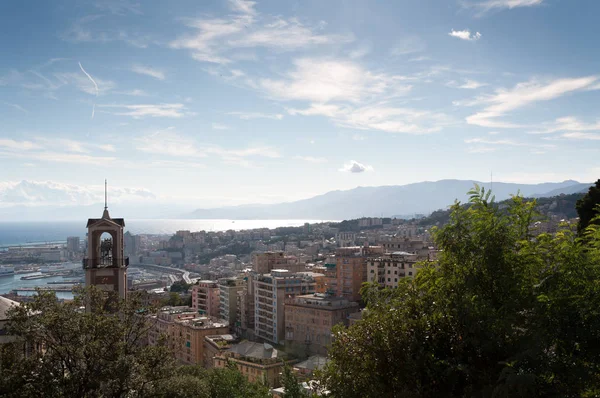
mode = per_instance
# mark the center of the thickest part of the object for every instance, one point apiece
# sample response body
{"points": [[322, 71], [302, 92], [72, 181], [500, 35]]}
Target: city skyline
{"points": [[233, 102]]}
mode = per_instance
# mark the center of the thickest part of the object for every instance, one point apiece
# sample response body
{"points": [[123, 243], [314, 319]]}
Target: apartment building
{"points": [[388, 269], [228, 302], [270, 292], [258, 362], [309, 319], [185, 332], [263, 263], [205, 298], [351, 269]]}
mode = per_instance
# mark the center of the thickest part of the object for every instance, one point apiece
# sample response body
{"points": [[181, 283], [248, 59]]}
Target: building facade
{"points": [[390, 268], [309, 319], [270, 293], [351, 269], [228, 294], [263, 263], [184, 331], [258, 362], [205, 298]]}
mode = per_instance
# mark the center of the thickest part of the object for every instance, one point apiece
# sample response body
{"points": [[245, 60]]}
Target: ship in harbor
{"points": [[7, 271]]}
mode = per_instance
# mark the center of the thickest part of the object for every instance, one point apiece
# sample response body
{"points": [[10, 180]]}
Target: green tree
{"points": [[291, 384], [85, 354], [587, 207], [180, 287], [102, 353], [501, 314]]}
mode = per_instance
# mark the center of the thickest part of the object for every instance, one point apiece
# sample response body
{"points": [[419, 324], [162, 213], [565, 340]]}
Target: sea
{"points": [[23, 233]]}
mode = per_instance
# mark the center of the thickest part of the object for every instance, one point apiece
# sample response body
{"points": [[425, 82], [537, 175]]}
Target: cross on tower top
{"points": [[105, 213]]}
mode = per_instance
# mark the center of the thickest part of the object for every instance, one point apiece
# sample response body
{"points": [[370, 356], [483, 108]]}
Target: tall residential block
{"points": [[205, 298], [270, 293], [73, 244], [228, 293], [351, 269]]}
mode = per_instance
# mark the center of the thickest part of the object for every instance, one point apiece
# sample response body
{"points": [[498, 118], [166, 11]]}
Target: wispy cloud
{"points": [[148, 110], [568, 123], [523, 94], [95, 29], [465, 35], [218, 40], [16, 106], [148, 71], [483, 145], [256, 115], [134, 93], [44, 193], [355, 167], [169, 142], [582, 136], [219, 126], [501, 4], [17, 145], [118, 7], [467, 84], [311, 159]]}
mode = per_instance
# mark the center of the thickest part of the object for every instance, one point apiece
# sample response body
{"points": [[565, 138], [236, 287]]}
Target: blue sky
{"points": [[214, 103]]}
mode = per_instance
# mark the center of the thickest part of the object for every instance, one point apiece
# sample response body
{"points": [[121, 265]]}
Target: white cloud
{"points": [[17, 145], [465, 35], [493, 142], [243, 6], [219, 126], [220, 40], [134, 93], [355, 167], [324, 80], [472, 84], [358, 137], [523, 94], [510, 4], [568, 123], [582, 136], [94, 29], [311, 159], [256, 115], [149, 110], [44, 193], [419, 59], [148, 71], [380, 117], [481, 149]]}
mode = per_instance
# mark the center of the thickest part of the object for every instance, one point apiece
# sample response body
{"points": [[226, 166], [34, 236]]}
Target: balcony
{"points": [[90, 263]]}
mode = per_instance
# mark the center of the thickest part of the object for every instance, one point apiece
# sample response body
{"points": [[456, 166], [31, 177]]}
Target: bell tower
{"points": [[105, 265]]}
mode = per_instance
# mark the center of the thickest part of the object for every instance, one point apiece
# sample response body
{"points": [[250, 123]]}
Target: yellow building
{"points": [[258, 362], [216, 345], [184, 332]]}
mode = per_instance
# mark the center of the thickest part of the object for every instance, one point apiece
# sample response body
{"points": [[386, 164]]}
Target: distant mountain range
{"points": [[386, 201]]}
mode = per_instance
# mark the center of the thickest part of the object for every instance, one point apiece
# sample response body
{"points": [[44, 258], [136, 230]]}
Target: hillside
{"points": [[386, 201]]}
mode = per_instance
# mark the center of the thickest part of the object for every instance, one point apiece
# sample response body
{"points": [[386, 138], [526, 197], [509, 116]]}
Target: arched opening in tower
{"points": [[106, 246]]}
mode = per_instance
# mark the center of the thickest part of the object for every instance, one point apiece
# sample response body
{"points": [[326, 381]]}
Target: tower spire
{"points": [[105, 213]]}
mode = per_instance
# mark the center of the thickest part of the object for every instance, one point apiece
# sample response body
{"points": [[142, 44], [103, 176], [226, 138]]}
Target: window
{"points": [[410, 273], [389, 280]]}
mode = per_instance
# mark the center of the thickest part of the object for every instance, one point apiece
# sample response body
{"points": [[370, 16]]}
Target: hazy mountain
{"points": [[422, 197]]}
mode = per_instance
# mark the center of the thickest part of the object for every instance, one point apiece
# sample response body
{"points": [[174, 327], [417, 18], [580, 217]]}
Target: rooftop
{"points": [[249, 349], [5, 305], [312, 363]]}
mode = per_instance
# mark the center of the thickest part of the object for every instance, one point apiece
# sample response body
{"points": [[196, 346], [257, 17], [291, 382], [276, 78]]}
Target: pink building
{"points": [[205, 298]]}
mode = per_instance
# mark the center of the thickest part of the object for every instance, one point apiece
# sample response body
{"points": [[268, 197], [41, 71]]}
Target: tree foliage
{"points": [[587, 207], [101, 353], [501, 314], [291, 384]]}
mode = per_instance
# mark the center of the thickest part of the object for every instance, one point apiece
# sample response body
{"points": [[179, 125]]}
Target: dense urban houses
{"points": [[389, 268], [205, 298], [184, 330], [351, 269]]}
